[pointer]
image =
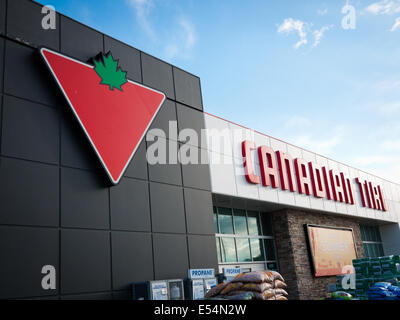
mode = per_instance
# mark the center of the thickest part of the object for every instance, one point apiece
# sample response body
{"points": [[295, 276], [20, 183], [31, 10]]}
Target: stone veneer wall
{"points": [[293, 256]]}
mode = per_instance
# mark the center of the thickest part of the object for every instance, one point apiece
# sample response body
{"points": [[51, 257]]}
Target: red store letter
{"points": [[348, 191], [316, 180], [303, 178], [269, 170], [372, 194], [327, 183], [251, 177], [367, 194], [382, 199], [360, 186], [286, 171], [337, 187]]}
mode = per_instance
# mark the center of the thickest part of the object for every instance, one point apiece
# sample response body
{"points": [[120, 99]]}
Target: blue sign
{"points": [[200, 273], [232, 272]]}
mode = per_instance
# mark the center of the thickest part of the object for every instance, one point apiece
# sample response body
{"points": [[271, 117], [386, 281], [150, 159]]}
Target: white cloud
{"points": [[290, 25], [320, 146], [171, 51], [396, 25], [384, 7], [188, 28], [387, 167], [183, 41], [318, 34], [181, 36], [373, 160], [142, 9], [322, 12]]}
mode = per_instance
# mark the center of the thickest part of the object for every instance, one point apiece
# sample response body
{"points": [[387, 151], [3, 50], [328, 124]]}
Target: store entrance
{"points": [[244, 237]]}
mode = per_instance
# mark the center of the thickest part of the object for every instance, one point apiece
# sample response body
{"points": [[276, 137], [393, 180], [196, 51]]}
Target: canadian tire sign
{"points": [[114, 112]]}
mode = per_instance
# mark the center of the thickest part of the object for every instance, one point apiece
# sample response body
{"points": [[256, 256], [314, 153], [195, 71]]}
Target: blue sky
{"points": [[283, 67]]}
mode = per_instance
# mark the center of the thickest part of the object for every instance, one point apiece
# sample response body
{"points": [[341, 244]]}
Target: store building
{"points": [[283, 213], [60, 215]]}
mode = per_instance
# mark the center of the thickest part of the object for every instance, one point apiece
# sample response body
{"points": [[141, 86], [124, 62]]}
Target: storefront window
{"points": [[373, 250], [215, 220], [244, 237], [372, 242], [228, 249], [377, 235], [269, 249], [266, 220], [240, 221], [217, 240], [225, 220], [254, 223], [243, 249], [362, 231], [257, 251]]}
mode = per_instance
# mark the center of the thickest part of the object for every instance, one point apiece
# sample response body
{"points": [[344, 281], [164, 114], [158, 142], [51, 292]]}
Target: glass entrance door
{"points": [[244, 238]]}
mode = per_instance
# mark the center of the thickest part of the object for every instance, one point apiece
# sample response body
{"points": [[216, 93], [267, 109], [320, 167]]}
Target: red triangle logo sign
{"points": [[114, 112]]}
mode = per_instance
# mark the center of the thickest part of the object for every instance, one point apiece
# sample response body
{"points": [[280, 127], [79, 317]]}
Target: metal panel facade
{"points": [[57, 207]]}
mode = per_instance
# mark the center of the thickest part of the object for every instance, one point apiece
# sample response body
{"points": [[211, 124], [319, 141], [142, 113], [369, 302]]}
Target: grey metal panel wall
{"points": [[56, 205]]}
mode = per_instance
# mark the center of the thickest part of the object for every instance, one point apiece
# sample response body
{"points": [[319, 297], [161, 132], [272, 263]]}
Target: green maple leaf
{"points": [[109, 72]]}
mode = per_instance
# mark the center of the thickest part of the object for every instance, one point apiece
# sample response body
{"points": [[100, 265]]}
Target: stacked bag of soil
{"points": [[256, 285]]}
